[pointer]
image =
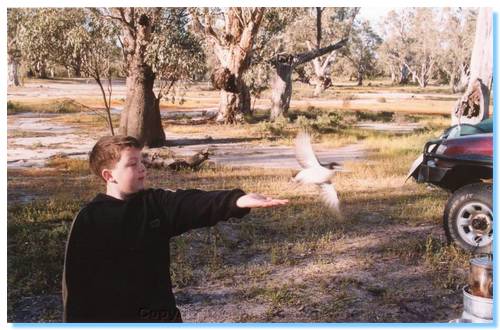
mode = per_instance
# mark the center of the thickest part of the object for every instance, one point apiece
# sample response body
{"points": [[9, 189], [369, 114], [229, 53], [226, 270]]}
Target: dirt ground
{"points": [[366, 267]]}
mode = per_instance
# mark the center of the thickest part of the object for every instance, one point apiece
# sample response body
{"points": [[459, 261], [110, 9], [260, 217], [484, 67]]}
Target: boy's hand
{"points": [[256, 200]]}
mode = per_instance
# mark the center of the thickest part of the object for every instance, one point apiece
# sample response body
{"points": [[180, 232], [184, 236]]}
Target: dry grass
{"points": [[295, 263]]}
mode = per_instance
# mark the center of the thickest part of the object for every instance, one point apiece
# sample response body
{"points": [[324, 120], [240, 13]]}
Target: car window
{"points": [[486, 126]]}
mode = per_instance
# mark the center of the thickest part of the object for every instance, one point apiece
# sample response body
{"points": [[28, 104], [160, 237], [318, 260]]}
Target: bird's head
{"points": [[333, 165]]}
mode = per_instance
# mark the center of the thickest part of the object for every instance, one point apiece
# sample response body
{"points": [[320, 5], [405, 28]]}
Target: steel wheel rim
{"points": [[475, 224]]}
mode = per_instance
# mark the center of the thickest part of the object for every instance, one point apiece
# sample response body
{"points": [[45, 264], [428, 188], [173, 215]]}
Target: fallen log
{"points": [[164, 158]]}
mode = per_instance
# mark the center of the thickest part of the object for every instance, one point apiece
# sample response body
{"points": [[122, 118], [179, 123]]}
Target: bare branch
{"points": [[307, 56]]}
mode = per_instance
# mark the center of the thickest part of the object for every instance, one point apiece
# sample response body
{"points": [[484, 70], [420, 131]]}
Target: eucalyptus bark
{"points": [[473, 106], [281, 90], [461, 84], [141, 114], [13, 74], [233, 105]]}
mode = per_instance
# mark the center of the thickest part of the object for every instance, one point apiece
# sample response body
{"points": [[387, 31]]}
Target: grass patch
{"points": [[294, 258], [12, 134], [36, 241], [63, 162], [448, 263], [58, 106]]}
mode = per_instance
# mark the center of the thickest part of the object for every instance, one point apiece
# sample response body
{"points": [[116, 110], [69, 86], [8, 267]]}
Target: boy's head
{"points": [[118, 161]]}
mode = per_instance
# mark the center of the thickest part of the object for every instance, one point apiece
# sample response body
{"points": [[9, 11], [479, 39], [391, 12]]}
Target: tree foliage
{"points": [[43, 41], [423, 42], [175, 54], [457, 38], [360, 52]]}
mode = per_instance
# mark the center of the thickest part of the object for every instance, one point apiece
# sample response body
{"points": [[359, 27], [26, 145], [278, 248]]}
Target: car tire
{"points": [[468, 218]]}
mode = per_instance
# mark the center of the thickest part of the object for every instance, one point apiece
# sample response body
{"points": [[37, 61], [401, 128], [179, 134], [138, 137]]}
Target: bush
{"points": [[384, 116], [13, 108], [11, 105], [68, 106], [303, 123], [277, 127], [328, 122]]}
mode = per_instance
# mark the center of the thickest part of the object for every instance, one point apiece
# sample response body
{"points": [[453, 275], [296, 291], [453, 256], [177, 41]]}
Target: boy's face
{"points": [[129, 172]]}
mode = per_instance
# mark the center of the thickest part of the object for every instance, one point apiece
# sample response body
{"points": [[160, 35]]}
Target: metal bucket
{"points": [[478, 307], [481, 277]]}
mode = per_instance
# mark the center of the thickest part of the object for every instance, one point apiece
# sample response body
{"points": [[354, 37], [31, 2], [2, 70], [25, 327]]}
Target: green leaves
{"points": [[174, 53], [42, 36]]}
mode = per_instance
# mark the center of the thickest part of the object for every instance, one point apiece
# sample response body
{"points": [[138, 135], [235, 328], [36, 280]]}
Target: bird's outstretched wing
{"points": [[329, 196], [304, 151]]}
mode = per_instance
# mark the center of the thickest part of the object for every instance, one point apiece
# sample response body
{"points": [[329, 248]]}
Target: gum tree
{"points": [[320, 26], [360, 54], [473, 106], [232, 42], [147, 57], [14, 19], [42, 39]]}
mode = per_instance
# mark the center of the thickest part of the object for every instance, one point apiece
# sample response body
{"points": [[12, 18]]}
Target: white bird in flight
{"points": [[314, 172]]}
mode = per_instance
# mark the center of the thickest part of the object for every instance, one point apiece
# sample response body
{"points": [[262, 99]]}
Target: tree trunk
{"points": [[318, 87], [404, 74], [41, 70], [322, 71], [473, 106], [78, 72], [360, 78], [77, 67], [462, 82], [393, 76], [321, 84], [281, 90], [230, 107], [13, 75], [452, 82], [235, 100], [140, 117], [233, 49]]}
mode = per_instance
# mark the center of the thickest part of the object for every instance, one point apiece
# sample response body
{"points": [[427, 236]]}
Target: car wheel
{"points": [[468, 218]]}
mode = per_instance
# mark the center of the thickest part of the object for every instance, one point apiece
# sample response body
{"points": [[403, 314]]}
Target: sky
{"points": [[374, 15]]}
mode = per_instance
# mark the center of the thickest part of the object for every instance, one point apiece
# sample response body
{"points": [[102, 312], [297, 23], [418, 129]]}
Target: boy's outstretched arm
{"points": [[189, 209], [255, 200]]}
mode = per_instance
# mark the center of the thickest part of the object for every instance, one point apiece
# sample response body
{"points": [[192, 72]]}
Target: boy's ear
{"points": [[107, 175]]}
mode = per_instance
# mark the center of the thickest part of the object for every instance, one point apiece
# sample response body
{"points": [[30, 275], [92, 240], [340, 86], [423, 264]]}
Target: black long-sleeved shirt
{"points": [[117, 262]]}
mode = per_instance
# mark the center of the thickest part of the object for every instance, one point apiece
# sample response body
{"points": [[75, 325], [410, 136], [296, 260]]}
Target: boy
{"points": [[117, 266]]}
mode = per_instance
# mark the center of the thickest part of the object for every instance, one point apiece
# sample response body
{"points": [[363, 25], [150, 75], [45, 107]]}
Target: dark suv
{"points": [[461, 161]]}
